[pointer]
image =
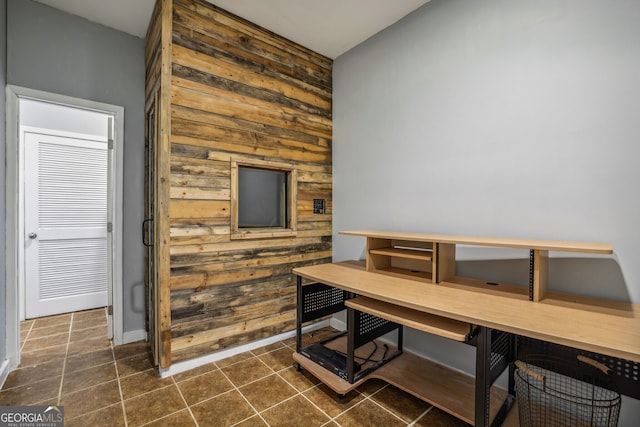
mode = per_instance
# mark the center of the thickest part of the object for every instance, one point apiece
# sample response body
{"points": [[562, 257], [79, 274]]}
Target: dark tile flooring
{"points": [[67, 360]]}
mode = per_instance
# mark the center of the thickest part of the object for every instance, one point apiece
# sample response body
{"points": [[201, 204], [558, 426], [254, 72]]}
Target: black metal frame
{"points": [[363, 328], [495, 352], [316, 300]]}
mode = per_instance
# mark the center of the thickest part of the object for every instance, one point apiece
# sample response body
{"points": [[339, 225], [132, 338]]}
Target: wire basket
{"points": [[551, 392]]}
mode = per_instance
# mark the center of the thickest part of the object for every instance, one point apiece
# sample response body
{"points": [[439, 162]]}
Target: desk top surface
{"points": [[601, 326]]}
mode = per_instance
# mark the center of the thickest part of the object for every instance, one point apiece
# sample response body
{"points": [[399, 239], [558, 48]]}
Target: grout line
{"points": [[385, 385], [124, 413], [61, 323], [64, 363], [87, 413], [381, 406], [213, 397], [301, 394], [100, 326], [273, 371], [93, 385], [45, 348], [147, 392], [270, 407], [185, 402], [364, 399], [27, 337], [164, 417], [250, 382], [243, 396], [195, 376], [421, 416], [270, 351], [349, 409], [298, 393], [285, 380], [234, 363], [254, 381]]}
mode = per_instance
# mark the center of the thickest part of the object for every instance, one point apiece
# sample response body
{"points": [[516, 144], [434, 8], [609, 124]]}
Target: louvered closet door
{"points": [[65, 224]]}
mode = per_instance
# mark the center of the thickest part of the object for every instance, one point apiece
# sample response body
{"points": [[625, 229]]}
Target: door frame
{"points": [[14, 93]]}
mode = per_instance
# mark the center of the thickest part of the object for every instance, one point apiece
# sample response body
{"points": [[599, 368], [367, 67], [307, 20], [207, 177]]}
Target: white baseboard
{"points": [[4, 372], [179, 367], [134, 336], [338, 324]]}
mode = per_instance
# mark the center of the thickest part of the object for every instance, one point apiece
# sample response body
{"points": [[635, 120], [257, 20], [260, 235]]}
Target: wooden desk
{"points": [[612, 329], [593, 325]]}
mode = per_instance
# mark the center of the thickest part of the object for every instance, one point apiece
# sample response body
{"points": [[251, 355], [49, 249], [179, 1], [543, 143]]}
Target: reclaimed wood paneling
{"points": [[153, 66], [235, 91]]}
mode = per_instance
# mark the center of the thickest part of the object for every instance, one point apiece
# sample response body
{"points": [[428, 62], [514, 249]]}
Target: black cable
{"points": [[368, 358], [386, 349], [375, 348]]}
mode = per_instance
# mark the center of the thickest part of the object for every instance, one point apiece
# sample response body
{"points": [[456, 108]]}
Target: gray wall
{"points": [[52, 51], [497, 118], [3, 82]]}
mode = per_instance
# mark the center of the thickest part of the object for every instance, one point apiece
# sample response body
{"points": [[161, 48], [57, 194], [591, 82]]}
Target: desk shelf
{"points": [[447, 389], [437, 325], [431, 257], [424, 255], [397, 256]]}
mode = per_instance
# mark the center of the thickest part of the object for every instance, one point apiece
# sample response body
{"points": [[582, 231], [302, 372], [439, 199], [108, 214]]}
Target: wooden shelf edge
{"points": [[422, 255], [437, 325], [403, 273], [447, 389], [550, 245]]}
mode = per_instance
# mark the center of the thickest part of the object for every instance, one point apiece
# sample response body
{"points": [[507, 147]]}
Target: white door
{"points": [[65, 222]]}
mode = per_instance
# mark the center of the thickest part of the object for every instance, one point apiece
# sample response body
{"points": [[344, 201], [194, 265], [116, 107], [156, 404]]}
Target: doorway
{"points": [[64, 209]]}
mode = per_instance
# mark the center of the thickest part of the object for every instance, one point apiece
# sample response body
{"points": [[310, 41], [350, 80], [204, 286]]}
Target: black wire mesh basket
{"points": [[551, 392]]}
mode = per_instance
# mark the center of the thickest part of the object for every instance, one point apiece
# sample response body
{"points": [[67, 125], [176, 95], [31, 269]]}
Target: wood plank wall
{"points": [[239, 92]]}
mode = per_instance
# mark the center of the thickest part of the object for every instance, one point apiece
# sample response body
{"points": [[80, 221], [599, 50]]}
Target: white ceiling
{"points": [[329, 27]]}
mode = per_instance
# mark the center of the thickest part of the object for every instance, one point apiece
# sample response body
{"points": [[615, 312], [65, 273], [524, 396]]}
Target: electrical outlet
{"points": [[318, 206]]}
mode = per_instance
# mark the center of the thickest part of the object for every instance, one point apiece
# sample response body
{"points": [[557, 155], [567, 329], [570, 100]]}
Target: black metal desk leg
{"points": [[483, 377], [351, 341], [299, 310]]}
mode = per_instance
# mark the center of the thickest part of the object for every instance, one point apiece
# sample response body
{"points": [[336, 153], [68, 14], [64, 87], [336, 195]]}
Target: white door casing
{"points": [[112, 173], [66, 205]]}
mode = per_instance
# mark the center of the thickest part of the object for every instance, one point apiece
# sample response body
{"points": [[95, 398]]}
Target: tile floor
{"points": [[67, 360]]}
